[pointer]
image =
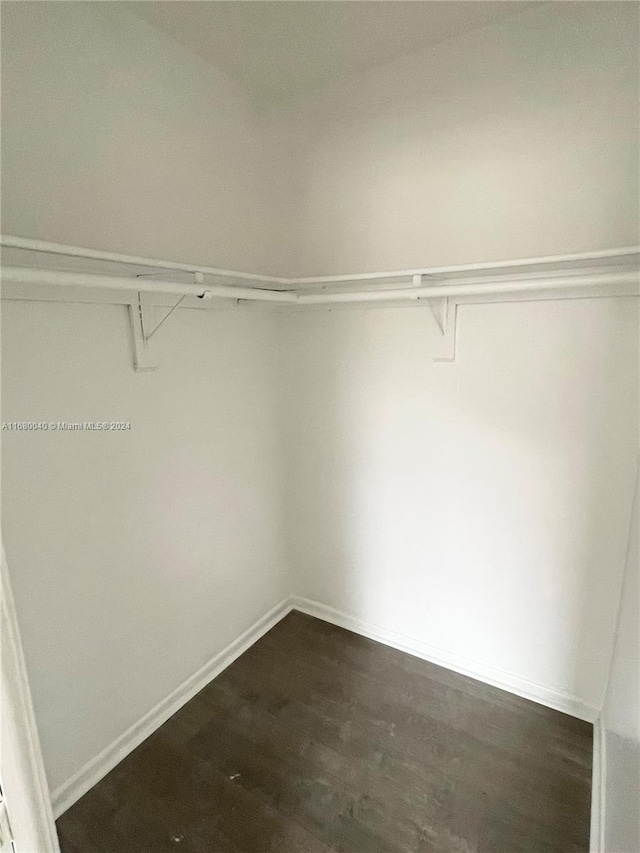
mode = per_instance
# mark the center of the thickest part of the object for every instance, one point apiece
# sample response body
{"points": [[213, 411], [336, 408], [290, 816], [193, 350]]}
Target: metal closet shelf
{"points": [[611, 272]]}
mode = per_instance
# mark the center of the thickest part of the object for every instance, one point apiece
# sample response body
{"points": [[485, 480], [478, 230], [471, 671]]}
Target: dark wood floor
{"points": [[318, 740]]}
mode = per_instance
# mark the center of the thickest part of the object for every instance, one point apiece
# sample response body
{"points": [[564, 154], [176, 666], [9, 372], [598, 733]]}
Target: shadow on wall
{"points": [[481, 508]]}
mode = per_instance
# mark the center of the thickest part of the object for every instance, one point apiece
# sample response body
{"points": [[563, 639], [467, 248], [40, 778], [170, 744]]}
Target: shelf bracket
{"points": [[148, 337], [444, 310], [141, 317], [145, 357]]}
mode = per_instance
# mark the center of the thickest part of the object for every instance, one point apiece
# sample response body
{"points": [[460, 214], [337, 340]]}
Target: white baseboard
{"points": [[598, 778], [544, 695], [70, 791]]}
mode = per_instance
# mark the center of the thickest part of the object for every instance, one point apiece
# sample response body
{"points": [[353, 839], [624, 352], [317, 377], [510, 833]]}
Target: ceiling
{"points": [[278, 49]]}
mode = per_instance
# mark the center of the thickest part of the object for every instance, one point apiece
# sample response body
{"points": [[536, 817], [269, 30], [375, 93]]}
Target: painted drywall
{"points": [[516, 140], [285, 50], [136, 555], [480, 507], [117, 138], [621, 713]]}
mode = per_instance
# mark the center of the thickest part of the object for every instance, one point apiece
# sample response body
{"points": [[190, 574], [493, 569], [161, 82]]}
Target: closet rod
{"points": [[11, 242], [460, 288], [597, 255], [58, 278], [34, 276], [28, 244]]}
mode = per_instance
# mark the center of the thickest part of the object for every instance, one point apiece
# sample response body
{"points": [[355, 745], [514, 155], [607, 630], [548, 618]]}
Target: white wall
{"points": [[621, 713], [480, 508], [153, 151], [517, 140], [135, 556]]}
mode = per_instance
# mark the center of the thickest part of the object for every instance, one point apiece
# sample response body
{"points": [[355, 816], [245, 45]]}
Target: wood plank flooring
{"points": [[317, 740]]}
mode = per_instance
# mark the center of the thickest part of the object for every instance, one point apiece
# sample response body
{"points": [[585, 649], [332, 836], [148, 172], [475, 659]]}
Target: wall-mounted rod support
{"points": [[22, 275], [164, 319], [613, 272]]}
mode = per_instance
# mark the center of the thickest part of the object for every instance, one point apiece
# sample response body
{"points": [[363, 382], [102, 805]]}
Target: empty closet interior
{"points": [[320, 423]]}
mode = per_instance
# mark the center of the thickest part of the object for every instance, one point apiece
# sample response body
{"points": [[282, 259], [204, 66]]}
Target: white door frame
{"points": [[23, 776]]}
